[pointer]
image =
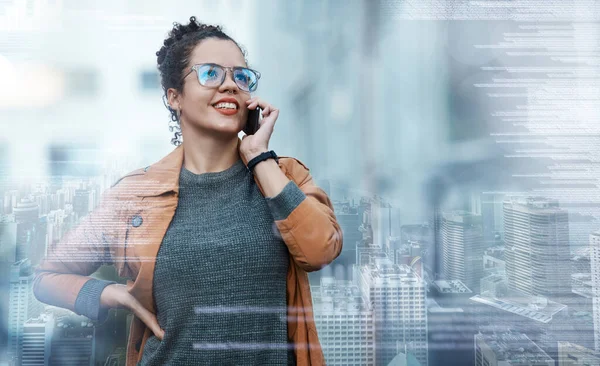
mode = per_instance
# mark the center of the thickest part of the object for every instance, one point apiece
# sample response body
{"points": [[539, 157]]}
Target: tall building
{"points": [[82, 203], [37, 333], [73, 342], [537, 247], [492, 217], [397, 296], [4, 301], [43, 202], [451, 323], [4, 169], [8, 240], [381, 221], [37, 249], [345, 323], [26, 216], [595, 264], [58, 338], [26, 211], [508, 349], [22, 306], [367, 252], [349, 220], [462, 248]]}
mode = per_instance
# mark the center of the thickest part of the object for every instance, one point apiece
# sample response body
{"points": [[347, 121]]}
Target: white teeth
{"points": [[226, 105]]}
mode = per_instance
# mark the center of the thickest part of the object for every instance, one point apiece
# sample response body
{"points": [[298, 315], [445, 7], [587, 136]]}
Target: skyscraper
{"points": [[381, 221], [397, 296], [26, 216], [344, 322], [537, 246], [22, 306], [462, 247], [73, 341], [491, 217], [37, 333]]}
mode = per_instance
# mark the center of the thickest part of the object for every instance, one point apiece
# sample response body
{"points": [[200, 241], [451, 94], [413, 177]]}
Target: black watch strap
{"points": [[263, 156]]}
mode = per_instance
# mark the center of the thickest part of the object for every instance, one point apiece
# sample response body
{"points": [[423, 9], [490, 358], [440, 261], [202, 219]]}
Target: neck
{"points": [[207, 154]]}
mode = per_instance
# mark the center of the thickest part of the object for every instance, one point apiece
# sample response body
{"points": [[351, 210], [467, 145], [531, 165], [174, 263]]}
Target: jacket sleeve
{"points": [[306, 221], [62, 278]]}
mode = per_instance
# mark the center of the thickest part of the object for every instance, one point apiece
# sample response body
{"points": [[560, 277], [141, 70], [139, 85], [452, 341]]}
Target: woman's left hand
{"points": [[253, 145]]}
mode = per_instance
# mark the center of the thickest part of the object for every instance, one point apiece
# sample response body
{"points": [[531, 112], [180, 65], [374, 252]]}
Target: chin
{"points": [[228, 125], [229, 130]]}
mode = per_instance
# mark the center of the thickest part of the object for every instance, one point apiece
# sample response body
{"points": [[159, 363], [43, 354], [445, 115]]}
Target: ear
{"points": [[173, 98]]}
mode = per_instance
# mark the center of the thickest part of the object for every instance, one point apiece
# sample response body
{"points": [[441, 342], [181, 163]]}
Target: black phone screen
{"points": [[252, 124]]}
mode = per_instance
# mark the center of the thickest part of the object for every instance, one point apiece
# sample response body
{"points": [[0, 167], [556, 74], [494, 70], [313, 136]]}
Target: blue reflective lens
{"points": [[212, 75]]}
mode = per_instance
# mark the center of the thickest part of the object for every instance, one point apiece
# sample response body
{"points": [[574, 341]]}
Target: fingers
{"points": [[266, 123], [253, 103], [275, 112], [117, 296], [148, 318], [267, 109]]}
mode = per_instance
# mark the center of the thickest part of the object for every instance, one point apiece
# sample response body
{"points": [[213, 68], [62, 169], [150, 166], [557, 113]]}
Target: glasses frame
{"points": [[231, 69]]}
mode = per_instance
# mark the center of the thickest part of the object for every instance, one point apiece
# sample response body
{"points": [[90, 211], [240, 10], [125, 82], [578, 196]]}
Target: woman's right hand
{"points": [[117, 296]]}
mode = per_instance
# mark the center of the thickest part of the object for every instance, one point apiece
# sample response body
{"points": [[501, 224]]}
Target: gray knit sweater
{"points": [[220, 275]]}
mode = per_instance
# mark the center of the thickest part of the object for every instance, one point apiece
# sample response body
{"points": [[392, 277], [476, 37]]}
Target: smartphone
{"points": [[252, 124]]}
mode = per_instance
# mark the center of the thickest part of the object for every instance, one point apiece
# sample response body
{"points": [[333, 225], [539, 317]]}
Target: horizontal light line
{"points": [[244, 309], [243, 346]]}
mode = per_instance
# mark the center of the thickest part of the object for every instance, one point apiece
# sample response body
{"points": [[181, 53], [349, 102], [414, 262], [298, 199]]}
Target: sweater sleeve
{"points": [[286, 201], [88, 300]]}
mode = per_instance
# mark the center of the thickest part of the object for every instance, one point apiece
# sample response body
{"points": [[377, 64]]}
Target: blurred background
{"points": [[458, 141]]}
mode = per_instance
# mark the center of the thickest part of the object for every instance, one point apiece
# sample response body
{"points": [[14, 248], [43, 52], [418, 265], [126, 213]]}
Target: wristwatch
{"points": [[263, 156]]}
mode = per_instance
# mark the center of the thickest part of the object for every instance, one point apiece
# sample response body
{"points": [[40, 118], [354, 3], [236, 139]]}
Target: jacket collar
{"points": [[163, 176]]}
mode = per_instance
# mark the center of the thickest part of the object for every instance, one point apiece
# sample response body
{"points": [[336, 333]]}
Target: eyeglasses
{"points": [[213, 75]]}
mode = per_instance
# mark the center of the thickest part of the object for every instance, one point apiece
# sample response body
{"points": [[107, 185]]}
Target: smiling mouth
{"points": [[227, 111], [226, 105]]}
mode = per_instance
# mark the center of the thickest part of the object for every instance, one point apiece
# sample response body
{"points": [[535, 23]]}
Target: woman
{"points": [[216, 237]]}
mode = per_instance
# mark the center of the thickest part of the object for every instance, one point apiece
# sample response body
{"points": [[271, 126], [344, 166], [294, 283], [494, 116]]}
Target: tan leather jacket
{"points": [[107, 235]]}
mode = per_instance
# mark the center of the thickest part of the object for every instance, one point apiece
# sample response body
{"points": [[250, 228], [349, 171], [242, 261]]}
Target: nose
{"points": [[229, 84]]}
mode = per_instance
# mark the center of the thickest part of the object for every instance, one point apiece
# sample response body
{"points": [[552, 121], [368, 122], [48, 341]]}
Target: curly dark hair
{"points": [[174, 56]]}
